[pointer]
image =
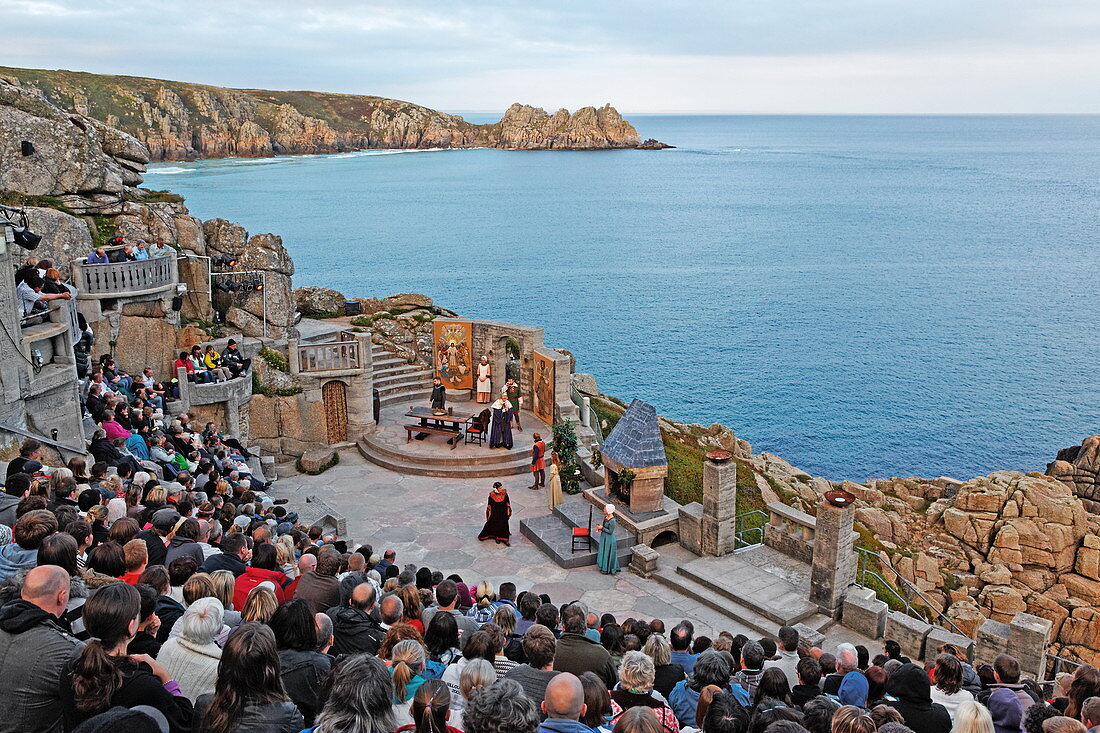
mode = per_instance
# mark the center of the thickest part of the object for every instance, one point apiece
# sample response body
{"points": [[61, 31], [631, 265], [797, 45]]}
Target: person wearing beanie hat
{"points": [[1006, 710], [233, 359]]}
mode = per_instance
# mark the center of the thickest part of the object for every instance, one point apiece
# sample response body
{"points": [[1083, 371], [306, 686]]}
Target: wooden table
{"points": [[440, 424]]}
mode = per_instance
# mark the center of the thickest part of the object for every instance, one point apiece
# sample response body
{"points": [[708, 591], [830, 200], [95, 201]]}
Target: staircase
{"points": [[457, 464], [397, 380], [553, 534], [744, 588]]}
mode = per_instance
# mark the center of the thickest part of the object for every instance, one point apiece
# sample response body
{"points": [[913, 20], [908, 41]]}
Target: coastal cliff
{"points": [[182, 121]]}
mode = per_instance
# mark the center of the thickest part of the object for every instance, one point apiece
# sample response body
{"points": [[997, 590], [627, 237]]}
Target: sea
{"points": [[865, 296]]}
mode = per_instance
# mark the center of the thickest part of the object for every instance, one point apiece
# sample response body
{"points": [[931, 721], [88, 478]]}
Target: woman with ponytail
{"points": [[104, 676], [407, 671], [248, 695], [431, 709]]}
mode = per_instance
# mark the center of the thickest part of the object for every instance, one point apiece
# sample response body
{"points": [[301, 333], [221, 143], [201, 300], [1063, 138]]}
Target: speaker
{"points": [[27, 148]]}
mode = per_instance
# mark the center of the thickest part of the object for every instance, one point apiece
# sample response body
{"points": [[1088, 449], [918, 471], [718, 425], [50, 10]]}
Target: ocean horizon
{"points": [[863, 295]]}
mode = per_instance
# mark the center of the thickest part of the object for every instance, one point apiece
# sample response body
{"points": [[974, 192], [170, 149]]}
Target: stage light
{"points": [[227, 286], [27, 239], [224, 260]]}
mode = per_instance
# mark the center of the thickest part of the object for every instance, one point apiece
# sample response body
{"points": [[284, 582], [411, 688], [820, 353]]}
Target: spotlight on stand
{"points": [[224, 260], [227, 286], [21, 229], [27, 239], [256, 285]]}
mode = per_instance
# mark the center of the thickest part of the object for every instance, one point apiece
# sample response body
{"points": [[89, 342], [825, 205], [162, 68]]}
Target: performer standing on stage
{"points": [[607, 556], [555, 480], [439, 394], [497, 512], [500, 427], [515, 399], [538, 463], [484, 380]]}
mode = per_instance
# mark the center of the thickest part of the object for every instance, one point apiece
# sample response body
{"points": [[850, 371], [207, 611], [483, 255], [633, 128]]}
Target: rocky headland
{"points": [[183, 121]]}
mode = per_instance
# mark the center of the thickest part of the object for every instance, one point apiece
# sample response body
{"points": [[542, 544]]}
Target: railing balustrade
{"points": [[330, 356], [122, 279]]}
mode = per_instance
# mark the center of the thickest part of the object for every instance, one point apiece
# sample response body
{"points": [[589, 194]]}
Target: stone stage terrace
{"points": [[388, 446], [435, 522]]}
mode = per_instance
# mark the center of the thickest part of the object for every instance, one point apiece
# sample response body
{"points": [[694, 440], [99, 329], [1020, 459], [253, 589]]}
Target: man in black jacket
{"points": [[34, 650], [233, 359], [233, 557], [353, 627], [164, 521]]}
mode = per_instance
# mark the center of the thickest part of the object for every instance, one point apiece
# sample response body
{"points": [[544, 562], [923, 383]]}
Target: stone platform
{"points": [[757, 587], [553, 534], [647, 526], [387, 445]]}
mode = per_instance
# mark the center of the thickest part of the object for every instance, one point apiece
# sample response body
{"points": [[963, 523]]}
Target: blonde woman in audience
{"points": [[477, 675], [407, 673], [284, 558], [483, 608], [850, 719], [971, 717], [261, 604]]}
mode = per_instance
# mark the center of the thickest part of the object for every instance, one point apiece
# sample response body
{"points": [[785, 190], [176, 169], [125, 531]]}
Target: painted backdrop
{"points": [[453, 363], [542, 392]]}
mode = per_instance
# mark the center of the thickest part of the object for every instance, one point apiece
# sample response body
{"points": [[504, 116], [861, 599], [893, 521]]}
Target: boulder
{"points": [[1002, 601], [1088, 557], [312, 300], [406, 300], [585, 384], [64, 238], [315, 460], [1079, 468]]}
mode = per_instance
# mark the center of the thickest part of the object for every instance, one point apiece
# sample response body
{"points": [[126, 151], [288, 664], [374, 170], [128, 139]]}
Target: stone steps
{"points": [[406, 397], [405, 385], [553, 534], [390, 370], [458, 455], [390, 380], [449, 468], [386, 359]]}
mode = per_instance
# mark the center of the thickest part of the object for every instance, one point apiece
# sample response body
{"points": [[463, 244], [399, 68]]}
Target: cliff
{"points": [[179, 121]]}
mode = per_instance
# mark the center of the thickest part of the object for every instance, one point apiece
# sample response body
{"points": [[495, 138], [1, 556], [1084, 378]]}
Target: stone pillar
{"points": [[587, 401], [719, 523], [834, 563], [293, 362], [1028, 638]]}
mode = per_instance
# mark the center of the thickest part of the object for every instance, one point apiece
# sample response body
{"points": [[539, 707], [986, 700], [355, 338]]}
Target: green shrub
{"points": [[274, 359], [213, 330], [325, 315]]}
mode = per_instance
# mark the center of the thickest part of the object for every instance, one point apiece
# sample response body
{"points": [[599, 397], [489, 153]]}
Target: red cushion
{"points": [[580, 532]]}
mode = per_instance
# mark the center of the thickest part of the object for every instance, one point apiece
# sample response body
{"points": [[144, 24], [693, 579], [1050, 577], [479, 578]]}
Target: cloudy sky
{"points": [[845, 56]]}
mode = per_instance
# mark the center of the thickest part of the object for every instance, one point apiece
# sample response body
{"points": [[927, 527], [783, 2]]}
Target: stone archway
{"points": [[335, 395]]}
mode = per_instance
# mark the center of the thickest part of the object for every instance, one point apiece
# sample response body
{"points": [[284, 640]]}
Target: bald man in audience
{"points": [[305, 564], [564, 705], [34, 648]]}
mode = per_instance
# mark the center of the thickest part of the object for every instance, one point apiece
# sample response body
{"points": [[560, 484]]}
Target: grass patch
{"points": [[266, 390], [213, 330], [19, 200], [324, 467], [149, 196], [325, 315], [102, 228]]}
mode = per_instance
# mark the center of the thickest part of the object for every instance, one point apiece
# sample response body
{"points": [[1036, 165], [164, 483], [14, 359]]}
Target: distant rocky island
{"points": [[184, 121]]}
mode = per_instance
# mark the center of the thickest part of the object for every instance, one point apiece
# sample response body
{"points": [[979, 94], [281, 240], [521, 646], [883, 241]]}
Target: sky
{"points": [[732, 56]]}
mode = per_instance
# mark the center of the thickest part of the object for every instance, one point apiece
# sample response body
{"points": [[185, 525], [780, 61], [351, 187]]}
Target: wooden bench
{"points": [[449, 432]]}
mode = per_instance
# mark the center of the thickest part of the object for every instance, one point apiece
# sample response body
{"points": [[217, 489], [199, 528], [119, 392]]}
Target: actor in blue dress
{"points": [[607, 557]]}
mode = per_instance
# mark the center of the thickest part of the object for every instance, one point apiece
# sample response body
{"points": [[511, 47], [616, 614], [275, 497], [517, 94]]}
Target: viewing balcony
{"points": [[125, 279], [328, 357]]}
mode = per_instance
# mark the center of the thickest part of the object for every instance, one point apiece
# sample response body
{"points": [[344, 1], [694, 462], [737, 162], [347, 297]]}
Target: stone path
{"points": [[435, 522]]}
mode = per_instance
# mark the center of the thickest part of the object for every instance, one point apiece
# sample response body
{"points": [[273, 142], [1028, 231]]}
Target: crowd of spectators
{"points": [[209, 608]]}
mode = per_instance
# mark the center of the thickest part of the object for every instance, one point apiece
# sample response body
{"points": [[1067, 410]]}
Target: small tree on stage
{"points": [[565, 445]]}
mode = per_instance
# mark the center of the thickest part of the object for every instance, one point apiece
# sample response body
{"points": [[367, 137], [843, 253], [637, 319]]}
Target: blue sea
{"points": [[864, 296]]}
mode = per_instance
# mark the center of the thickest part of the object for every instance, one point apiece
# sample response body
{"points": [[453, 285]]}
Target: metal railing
{"points": [[122, 279], [331, 356], [745, 525], [908, 596], [592, 419]]}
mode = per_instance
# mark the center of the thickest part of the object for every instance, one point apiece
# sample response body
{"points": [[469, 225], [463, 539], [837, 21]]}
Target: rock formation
{"points": [[180, 121], [1079, 468], [81, 181]]}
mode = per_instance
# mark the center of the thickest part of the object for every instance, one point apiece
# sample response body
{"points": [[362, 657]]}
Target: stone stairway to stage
{"points": [[553, 533], [758, 587]]}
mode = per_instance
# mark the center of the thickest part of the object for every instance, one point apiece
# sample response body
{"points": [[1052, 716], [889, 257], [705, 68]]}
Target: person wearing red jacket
{"points": [[264, 567]]}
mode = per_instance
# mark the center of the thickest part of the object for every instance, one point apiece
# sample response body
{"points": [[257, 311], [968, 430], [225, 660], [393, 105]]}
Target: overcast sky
{"points": [[845, 56]]}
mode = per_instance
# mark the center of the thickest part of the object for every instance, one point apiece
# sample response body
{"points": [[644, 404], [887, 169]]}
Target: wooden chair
{"points": [[583, 535], [477, 427]]}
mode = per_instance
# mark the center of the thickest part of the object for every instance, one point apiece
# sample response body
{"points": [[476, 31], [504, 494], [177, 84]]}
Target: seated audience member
{"points": [[577, 653], [752, 668], [234, 360], [710, 669], [502, 707], [853, 686], [909, 692], [680, 639], [1005, 711], [407, 670], [32, 299], [808, 674], [34, 650], [29, 450], [852, 719], [947, 690], [430, 710], [212, 360], [635, 689], [160, 249], [248, 694], [192, 657], [361, 695], [666, 674], [1006, 672], [353, 626], [98, 257], [104, 675], [302, 668], [27, 535]]}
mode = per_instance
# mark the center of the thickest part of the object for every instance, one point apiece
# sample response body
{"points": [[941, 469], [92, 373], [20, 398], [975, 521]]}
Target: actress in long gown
{"points": [[500, 427], [607, 556], [555, 480], [497, 512]]}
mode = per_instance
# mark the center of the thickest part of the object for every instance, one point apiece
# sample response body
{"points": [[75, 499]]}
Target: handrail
{"points": [[328, 356], [741, 533], [864, 555], [47, 441]]}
